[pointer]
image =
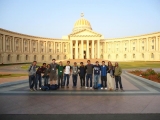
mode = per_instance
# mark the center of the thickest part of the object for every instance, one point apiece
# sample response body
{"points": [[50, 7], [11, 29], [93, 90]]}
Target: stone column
{"points": [[98, 49], [4, 44], [30, 45], [105, 47], [13, 44], [87, 50], [157, 43], [71, 49], [76, 50], [10, 43], [92, 49], [129, 45], [54, 49], [22, 45], [82, 53], [147, 44]]}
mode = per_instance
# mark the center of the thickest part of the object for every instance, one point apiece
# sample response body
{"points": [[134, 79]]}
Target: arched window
{"points": [[125, 56], [17, 57], [9, 57], [0, 58], [102, 56], [65, 57], [142, 55], [35, 57], [134, 56], [152, 55], [42, 57]]}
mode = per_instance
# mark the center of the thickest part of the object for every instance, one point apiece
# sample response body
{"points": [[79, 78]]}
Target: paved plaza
{"points": [[138, 97]]}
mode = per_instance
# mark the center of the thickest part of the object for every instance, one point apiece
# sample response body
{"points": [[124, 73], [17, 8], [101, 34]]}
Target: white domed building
{"points": [[82, 43]]}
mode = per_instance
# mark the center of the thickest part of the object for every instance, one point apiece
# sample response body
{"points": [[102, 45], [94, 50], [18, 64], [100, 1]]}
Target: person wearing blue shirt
{"points": [[96, 74], [104, 69]]}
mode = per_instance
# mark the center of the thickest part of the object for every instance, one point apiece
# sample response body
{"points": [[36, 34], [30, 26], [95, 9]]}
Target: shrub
{"points": [[158, 76], [151, 72], [145, 74]]}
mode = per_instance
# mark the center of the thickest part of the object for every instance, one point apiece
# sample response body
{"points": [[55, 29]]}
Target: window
{"points": [[16, 41], [133, 48], [125, 49], [42, 57], [64, 45], [34, 49], [57, 44], [57, 50], [17, 57], [57, 57], [49, 45], [8, 57], [133, 43], [142, 42], [152, 41], [134, 56], [125, 56], [7, 47], [35, 57], [152, 46], [117, 56], [41, 50], [50, 50], [125, 44], [50, 57], [109, 56], [17, 48], [142, 55], [152, 55], [64, 50], [142, 47], [25, 48], [117, 49], [65, 57], [33, 43], [26, 57], [25, 43]]}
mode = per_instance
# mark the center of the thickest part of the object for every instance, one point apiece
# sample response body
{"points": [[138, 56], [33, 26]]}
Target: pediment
{"points": [[85, 33]]}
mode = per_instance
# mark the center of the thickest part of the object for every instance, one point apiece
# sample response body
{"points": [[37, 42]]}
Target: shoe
{"points": [[90, 87], [31, 89], [122, 90], [101, 88], [35, 89], [105, 88], [39, 88], [86, 87]]}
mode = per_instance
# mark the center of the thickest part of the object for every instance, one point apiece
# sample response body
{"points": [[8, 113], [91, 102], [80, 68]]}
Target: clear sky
{"points": [[56, 18]]}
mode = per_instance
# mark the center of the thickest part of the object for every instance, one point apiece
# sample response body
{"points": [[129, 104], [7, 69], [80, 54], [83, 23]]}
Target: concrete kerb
{"points": [[13, 83], [144, 80]]}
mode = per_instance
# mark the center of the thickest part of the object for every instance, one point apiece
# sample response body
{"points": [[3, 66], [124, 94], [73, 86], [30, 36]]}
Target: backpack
{"points": [[54, 87], [44, 88]]}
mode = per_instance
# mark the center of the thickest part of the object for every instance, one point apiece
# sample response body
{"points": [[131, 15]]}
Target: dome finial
{"points": [[82, 15]]}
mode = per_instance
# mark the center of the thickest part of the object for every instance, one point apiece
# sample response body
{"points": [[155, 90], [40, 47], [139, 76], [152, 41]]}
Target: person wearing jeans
{"points": [[82, 73], [89, 71], [104, 69], [32, 75], [60, 74], [74, 74], [96, 74], [67, 73], [117, 74]]}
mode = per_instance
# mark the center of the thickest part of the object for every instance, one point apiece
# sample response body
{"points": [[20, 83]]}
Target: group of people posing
{"points": [[109, 75]]}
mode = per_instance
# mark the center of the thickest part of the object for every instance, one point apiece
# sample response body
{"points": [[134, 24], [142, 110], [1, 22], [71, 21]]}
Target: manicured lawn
{"points": [[124, 65], [11, 75], [128, 65]]}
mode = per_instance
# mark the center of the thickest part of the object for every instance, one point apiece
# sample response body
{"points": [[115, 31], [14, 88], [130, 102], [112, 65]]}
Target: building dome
{"points": [[81, 24]]}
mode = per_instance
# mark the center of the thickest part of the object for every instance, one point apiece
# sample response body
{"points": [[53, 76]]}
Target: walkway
{"points": [[139, 97]]}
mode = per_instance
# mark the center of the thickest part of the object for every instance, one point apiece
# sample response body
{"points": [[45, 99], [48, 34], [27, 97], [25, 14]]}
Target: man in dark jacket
{"points": [[82, 73]]}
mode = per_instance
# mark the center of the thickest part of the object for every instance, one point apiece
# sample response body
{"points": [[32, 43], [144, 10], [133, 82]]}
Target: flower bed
{"points": [[149, 74]]}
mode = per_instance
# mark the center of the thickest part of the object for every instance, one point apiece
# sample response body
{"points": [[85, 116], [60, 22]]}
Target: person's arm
{"points": [[120, 70], [70, 70], [29, 68]]}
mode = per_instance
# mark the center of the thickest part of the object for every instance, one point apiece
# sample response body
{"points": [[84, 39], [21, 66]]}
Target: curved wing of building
{"points": [[82, 43]]}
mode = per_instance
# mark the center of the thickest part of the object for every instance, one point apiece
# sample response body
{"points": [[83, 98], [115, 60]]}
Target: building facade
{"points": [[82, 43]]}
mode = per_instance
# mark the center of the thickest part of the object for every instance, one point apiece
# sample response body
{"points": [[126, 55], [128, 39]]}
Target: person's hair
{"points": [[97, 62], [117, 64], [109, 62], [48, 65], [53, 59], [68, 61], [81, 62], [44, 63], [88, 61], [34, 61], [75, 63], [103, 61]]}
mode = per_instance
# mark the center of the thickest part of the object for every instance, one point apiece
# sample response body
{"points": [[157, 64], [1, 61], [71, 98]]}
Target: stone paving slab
{"points": [[139, 97]]}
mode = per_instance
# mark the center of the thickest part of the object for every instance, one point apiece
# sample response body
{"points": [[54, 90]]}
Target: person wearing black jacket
{"points": [[39, 71], [82, 73]]}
